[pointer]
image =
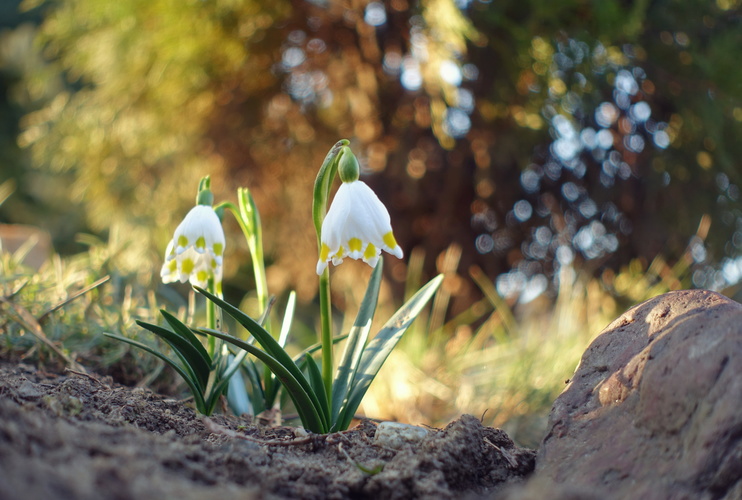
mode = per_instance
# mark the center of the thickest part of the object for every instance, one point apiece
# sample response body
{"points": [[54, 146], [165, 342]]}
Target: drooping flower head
{"points": [[196, 250], [357, 225]]}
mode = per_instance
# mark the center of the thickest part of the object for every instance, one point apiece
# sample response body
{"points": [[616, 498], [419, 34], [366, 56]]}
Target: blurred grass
{"points": [[54, 316], [500, 360], [511, 366]]}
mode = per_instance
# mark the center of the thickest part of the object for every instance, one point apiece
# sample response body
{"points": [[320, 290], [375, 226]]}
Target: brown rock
{"points": [[654, 410]]}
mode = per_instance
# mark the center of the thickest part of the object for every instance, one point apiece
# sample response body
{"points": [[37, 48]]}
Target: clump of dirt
{"points": [[77, 436]]}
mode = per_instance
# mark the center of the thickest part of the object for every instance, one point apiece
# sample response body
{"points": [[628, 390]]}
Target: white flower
{"points": [[196, 250], [356, 226]]}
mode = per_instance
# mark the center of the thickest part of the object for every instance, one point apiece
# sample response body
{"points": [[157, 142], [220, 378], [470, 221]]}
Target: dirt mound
{"points": [[78, 437]]}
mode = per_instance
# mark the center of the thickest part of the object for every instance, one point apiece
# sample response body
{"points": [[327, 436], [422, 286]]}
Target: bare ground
{"points": [[76, 436]]}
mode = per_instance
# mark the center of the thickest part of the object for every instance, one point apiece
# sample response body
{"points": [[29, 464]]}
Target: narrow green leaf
{"points": [[267, 342], [357, 338], [191, 358], [381, 345], [316, 347], [288, 318], [184, 331], [299, 390], [193, 385], [315, 380], [253, 376], [238, 396], [225, 377]]}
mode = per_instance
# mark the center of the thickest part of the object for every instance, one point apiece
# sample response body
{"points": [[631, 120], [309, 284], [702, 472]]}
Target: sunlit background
{"points": [[559, 161]]}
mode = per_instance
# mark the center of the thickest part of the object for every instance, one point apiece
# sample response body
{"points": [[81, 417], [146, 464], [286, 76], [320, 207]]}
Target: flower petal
{"points": [[196, 250], [358, 226]]}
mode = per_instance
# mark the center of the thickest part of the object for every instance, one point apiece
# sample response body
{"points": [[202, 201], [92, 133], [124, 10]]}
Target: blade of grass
{"points": [[72, 297], [28, 321], [489, 290]]}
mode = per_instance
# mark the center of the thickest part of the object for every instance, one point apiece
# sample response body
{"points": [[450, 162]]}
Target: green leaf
{"points": [[237, 395], [316, 347], [382, 344], [318, 385], [268, 343], [253, 376], [357, 338], [192, 358], [193, 385], [184, 331], [288, 318], [224, 378], [299, 389]]}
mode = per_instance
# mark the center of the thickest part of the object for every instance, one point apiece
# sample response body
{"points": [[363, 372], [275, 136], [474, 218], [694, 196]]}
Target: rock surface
{"points": [[654, 410]]}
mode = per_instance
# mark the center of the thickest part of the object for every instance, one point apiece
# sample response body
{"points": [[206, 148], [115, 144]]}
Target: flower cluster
{"points": [[195, 252]]}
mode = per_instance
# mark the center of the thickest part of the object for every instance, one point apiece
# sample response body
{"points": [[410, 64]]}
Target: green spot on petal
{"points": [[370, 251], [354, 245], [187, 266], [182, 240], [389, 240], [324, 252], [201, 242], [202, 276], [218, 249]]}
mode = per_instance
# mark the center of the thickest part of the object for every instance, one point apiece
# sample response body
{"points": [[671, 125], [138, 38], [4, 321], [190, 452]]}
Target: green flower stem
{"points": [[249, 214], [249, 221], [322, 186], [325, 306]]}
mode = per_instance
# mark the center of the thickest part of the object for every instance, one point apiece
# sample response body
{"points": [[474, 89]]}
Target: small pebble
{"points": [[395, 435]]}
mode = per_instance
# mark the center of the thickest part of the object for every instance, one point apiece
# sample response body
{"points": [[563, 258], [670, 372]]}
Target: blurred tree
{"points": [[534, 134]]}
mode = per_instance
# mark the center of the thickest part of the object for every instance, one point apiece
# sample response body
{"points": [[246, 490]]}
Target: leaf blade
{"points": [[300, 393], [187, 352], [192, 385], [357, 338], [381, 346], [268, 343]]}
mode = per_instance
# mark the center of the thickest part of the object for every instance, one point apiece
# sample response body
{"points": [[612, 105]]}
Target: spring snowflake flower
{"points": [[356, 226], [196, 250]]}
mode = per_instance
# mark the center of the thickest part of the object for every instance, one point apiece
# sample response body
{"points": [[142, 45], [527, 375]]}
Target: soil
{"points": [[78, 436]]}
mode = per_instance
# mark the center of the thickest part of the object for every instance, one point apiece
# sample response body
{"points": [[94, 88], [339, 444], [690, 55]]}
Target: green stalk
{"points": [[249, 214], [248, 218], [322, 186], [325, 306]]}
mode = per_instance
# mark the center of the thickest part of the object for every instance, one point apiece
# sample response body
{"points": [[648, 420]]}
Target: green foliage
{"points": [[359, 366], [207, 375]]}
